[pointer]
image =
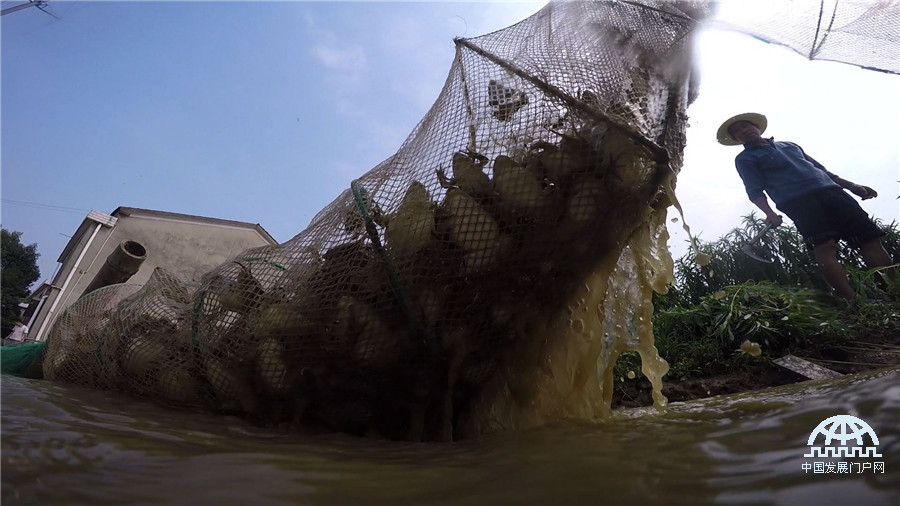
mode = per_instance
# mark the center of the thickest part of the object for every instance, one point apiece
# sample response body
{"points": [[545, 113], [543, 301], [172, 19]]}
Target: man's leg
{"points": [[875, 255], [835, 275]]}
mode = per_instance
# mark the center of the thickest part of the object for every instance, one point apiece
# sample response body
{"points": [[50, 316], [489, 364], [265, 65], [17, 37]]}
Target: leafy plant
{"points": [[703, 336], [19, 271], [785, 306], [792, 264]]}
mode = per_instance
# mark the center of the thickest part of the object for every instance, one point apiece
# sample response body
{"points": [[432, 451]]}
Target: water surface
{"points": [[63, 444]]}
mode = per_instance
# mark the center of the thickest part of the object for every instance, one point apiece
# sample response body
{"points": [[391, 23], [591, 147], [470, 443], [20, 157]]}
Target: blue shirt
{"points": [[782, 170]]}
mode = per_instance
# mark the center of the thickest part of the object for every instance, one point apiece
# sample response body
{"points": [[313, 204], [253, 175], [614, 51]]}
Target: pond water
{"points": [[63, 444]]}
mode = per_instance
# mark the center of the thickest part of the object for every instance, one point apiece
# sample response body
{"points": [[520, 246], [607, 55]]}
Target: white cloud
{"points": [[349, 58]]}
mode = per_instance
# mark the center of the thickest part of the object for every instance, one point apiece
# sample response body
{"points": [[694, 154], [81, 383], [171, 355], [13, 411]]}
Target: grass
{"points": [[784, 306]]}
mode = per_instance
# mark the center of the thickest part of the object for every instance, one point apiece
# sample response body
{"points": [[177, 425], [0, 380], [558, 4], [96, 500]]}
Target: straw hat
{"points": [[725, 138]]}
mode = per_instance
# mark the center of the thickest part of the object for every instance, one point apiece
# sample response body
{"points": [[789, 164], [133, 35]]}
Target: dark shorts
{"points": [[831, 214]]}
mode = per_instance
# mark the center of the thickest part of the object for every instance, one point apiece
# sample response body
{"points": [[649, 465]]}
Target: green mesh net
{"points": [[20, 360]]}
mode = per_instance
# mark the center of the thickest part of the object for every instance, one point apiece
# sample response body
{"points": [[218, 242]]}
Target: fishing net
{"points": [[863, 33], [483, 277]]}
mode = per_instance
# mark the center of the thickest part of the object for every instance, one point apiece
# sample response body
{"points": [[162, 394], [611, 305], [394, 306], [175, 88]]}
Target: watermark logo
{"points": [[843, 437]]}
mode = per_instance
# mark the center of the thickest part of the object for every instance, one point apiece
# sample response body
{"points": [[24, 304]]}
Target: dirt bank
{"points": [[862, 353]]}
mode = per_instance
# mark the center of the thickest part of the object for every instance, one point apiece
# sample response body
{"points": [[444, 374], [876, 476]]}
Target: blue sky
{"points": [[264, 112]]}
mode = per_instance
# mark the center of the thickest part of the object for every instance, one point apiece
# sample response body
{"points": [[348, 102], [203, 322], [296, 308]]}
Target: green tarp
{"points": [[17, 359]]}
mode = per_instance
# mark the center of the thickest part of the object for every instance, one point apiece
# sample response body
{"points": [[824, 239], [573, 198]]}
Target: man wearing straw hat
{"points": [[813, 198]]}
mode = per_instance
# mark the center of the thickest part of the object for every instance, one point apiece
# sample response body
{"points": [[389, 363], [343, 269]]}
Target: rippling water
{"points": [[69, 445]]}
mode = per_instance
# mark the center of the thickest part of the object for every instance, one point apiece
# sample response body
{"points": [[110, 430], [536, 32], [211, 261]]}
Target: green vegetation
{"points": [[19, 271], [784, 306]]}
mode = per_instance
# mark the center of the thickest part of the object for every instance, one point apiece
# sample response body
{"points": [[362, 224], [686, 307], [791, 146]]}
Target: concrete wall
{"points": [[185, 247], [90, 235]]}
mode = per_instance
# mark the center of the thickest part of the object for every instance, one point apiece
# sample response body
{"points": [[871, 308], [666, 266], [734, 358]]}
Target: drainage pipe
{"points": [[120, 265]]}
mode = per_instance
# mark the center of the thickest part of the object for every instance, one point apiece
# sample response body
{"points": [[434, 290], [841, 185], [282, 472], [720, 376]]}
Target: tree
{"points": [[19, 271]]}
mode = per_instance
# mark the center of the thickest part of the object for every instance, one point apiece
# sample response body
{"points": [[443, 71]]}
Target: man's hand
{"points": [[771, 216], [864, 192]]}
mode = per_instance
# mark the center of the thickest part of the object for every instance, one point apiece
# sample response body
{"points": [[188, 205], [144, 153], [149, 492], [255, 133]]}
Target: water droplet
{"points": [[577, 325], [751, 348]]}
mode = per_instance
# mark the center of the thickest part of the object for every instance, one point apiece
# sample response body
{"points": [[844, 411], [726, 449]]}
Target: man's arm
{"points": [[864, 192], [771, 216], [755, 187]]}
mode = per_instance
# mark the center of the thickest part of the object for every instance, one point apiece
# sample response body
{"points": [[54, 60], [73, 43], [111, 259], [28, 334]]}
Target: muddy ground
{"points": [[862, 353]]}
